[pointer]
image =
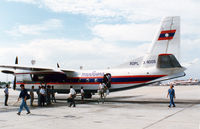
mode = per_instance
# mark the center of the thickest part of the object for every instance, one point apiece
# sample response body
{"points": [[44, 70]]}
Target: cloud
{"points": [[25, 1], [93, 53], [125, 32], [127, 13], [70, 54], [117, 17], [110, 21], [130, 10], [35, 29], [86, 7]]}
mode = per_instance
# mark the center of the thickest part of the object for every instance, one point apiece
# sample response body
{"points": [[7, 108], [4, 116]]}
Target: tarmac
{"points": [[141, 108]]}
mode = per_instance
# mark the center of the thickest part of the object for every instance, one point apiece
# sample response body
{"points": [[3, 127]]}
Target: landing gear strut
{"points": [[88, 95]]}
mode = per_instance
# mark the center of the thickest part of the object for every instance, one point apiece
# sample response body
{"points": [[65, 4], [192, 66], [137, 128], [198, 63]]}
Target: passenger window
{"points": [[96, 80]]}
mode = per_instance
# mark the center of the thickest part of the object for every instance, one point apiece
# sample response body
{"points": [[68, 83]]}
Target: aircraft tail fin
{"points": [[166, 41], [167, 38]]}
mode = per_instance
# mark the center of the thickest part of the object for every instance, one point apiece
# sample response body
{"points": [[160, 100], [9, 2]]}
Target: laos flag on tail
{"points": [[167, 34]]}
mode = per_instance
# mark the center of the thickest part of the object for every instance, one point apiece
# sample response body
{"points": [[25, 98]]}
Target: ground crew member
{"points": [[72, 96], [32, 95], [48, 95], [171, 94], [53, 94], [42, 95], [82, 94], [39, 96], [6, 95], [23, 95]]}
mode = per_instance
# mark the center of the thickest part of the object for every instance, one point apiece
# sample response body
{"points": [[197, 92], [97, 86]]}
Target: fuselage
{"points": [[121, 79]]}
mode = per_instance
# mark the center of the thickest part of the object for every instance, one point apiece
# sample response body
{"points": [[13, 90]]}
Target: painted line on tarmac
{"points": [[150, 101], [154, 123]]}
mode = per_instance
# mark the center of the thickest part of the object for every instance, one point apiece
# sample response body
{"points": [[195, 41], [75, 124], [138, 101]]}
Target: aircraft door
{"points": [[107, 79]]}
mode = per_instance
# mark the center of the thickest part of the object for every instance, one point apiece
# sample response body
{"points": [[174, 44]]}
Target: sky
{"points": [[94, 34]]}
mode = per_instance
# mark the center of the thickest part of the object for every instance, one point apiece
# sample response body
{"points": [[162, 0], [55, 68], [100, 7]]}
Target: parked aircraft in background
{"points": [[159, 64], [186, 82]]}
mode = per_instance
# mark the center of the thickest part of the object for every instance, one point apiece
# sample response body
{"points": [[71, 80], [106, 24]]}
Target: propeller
{"points": [[16, 60], [14, 84], [15, 80]]}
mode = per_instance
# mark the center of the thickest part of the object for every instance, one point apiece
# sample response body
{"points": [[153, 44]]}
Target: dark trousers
{"points": [[53, 99], [6, 100], [82, 97], [72, 102], [39, 100], [31, 100], [48, 99], [171, 101], [42, 99], [23, 104]]}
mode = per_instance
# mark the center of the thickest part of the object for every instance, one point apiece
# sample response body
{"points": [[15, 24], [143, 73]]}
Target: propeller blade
{"points": [[16, 60], [58, 66], [14, 83]]}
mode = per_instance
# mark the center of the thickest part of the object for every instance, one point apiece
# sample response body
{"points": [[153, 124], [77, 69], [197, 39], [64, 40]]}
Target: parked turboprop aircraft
{"points": [[158, 64]]}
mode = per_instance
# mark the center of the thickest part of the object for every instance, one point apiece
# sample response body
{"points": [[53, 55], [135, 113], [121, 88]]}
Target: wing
{"points": [[24, 67], [33, 70]]}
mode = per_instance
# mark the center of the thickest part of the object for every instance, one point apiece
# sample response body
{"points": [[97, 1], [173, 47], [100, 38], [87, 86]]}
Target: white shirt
{"points": [[108, 77], [82, 91], [101, 86], [42, 91], [72, 91]]}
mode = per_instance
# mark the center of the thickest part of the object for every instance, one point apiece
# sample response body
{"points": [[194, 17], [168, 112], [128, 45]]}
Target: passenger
{"points": [[32, 95], [23, 95], [48, 96], [53, 95], [171, 94], [45, 89], [105, 79], [42, 96], [6, 95], [107, 90], [108, 83], [82, 95], [101, 90], [39, 96], [72, 96]]}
